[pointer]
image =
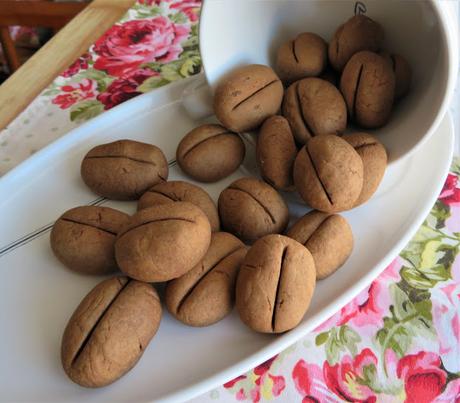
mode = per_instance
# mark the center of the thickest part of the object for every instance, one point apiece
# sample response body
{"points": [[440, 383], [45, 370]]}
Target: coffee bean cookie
{"points": [[328, 174], [124, 169], [205, 294], [358, 33], [368, 86], [250, 209], [210, 152], [163, 242], [304, 56], [248, 96], [83, 238], [109, 331], [275, 284], [328, 237], [314, 106], [275, 153]]}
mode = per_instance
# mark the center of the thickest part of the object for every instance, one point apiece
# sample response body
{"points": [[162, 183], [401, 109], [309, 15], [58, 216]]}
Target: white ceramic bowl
{"points": [[238, 32]]}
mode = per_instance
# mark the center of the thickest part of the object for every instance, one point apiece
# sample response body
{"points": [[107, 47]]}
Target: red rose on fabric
{"points": [[450, 193], [345, 378], [80, 64], [423, 377], [73, 93], [123, 48], [124, 88]]}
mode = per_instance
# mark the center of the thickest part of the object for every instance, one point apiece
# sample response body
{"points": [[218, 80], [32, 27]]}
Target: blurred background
{"points": [[26, 25]]}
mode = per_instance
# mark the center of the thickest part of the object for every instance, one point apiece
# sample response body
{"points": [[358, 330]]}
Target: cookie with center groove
{"points": [[358, 33], [123, 169], [275, 153], [163, 242], [247, 96], [174, 191], [209, 153], [328, 174], [368, 86], [205, 294], [275, 284], [250, 208], [314, 106], [304, 56], [109, 331], [83, 238], [328, 237]]}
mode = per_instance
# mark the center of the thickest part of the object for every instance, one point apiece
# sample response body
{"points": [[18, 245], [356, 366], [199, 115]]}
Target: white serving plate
{"points": [[38, 294]]}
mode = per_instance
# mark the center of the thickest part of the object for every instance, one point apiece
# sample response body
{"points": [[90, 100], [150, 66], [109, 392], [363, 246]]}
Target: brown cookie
{"points": [[275, 153], [163, 242], [250, 209], [328, 237], [328, 174], [83, 238], [357, 34], [209, 153], [247, 96], [374, 157], [109, 331], [205, 294], [368, 86], [173, 191], [275, 284], [124, 169], [314, 106], [403, 73], [305, 56]]}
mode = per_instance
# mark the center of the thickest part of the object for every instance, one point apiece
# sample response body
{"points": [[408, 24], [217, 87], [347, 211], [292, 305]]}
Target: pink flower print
{"points": [[450, 194], [73, 93], [370, 306], [345, 379], [125, 47], [309, 382], [251, 387]]}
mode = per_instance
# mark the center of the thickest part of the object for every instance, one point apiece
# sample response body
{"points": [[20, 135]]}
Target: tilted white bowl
{"points": [[237, 32]]}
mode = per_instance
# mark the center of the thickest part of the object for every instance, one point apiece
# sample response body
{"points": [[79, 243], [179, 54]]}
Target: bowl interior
{"points": [[238, 32]]}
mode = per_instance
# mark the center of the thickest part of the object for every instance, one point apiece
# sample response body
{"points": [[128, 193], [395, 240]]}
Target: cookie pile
{"points": [[239, 252]]}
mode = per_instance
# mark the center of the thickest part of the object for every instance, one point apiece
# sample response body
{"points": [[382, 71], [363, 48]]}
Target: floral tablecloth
{"points": [[399, 340]]}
